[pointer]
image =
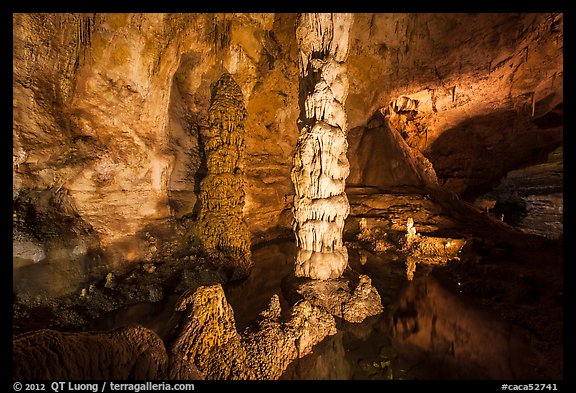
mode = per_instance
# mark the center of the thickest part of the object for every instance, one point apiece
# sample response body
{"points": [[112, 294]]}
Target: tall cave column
{"points": [[220, 227], [320, 166]]}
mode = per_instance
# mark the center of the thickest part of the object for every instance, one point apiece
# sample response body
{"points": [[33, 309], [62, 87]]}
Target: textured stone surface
{"points": [[387, 212], [219, 227], [113, 116], [532, 198], [320, 164], [208, 337], [427, 249], [479, 81], [129, 353], [110, 111], [353, 299], [384, 159]]}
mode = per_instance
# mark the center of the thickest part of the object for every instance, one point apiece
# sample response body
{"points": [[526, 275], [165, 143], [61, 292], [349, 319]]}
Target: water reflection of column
{"points": [[320, 166]]}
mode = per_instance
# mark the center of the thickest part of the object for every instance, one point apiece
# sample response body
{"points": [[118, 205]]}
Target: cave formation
{"points": [[320, 165], [219, 226], [288, 196]]}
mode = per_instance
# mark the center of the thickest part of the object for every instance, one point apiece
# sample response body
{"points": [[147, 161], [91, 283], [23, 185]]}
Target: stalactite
{"points": [[320, 166], [220, 227]]}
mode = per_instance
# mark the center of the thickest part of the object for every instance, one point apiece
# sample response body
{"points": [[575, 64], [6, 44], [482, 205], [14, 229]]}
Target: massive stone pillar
{"points": [[320, 165], [220, 227]]}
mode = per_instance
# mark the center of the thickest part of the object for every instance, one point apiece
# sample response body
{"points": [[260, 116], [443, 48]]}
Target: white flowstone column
{"points": [[320, 166]]}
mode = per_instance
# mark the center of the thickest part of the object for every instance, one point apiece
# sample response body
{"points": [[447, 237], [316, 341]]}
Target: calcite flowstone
{"points": [[320, 166]]}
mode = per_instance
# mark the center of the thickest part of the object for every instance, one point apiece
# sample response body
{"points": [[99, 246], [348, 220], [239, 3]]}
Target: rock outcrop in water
{"points": [[132, 353], [427, 249], [320, 164], [219, 227], [208, 338], [352, 299]]}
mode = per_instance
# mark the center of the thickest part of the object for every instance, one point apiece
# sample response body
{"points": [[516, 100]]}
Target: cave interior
{"points": [[288, 196]]}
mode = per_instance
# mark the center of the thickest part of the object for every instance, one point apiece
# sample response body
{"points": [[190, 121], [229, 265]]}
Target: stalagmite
{"points": [[320, 166], [207, 337], [220, 227]]}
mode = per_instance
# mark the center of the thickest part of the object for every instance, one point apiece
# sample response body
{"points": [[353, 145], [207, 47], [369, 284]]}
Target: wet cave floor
{"points": [[429, 329], [495, 313]]}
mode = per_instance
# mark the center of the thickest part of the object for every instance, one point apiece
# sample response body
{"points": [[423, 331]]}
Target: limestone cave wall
{"points": [[111, 113]]}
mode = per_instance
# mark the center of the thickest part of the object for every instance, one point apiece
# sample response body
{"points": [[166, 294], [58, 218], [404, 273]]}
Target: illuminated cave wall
{"points": [[109, 108], [489, 89]]}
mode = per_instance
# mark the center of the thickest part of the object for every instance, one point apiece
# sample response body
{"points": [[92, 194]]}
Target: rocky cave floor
{"points": [[509, 276]]}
